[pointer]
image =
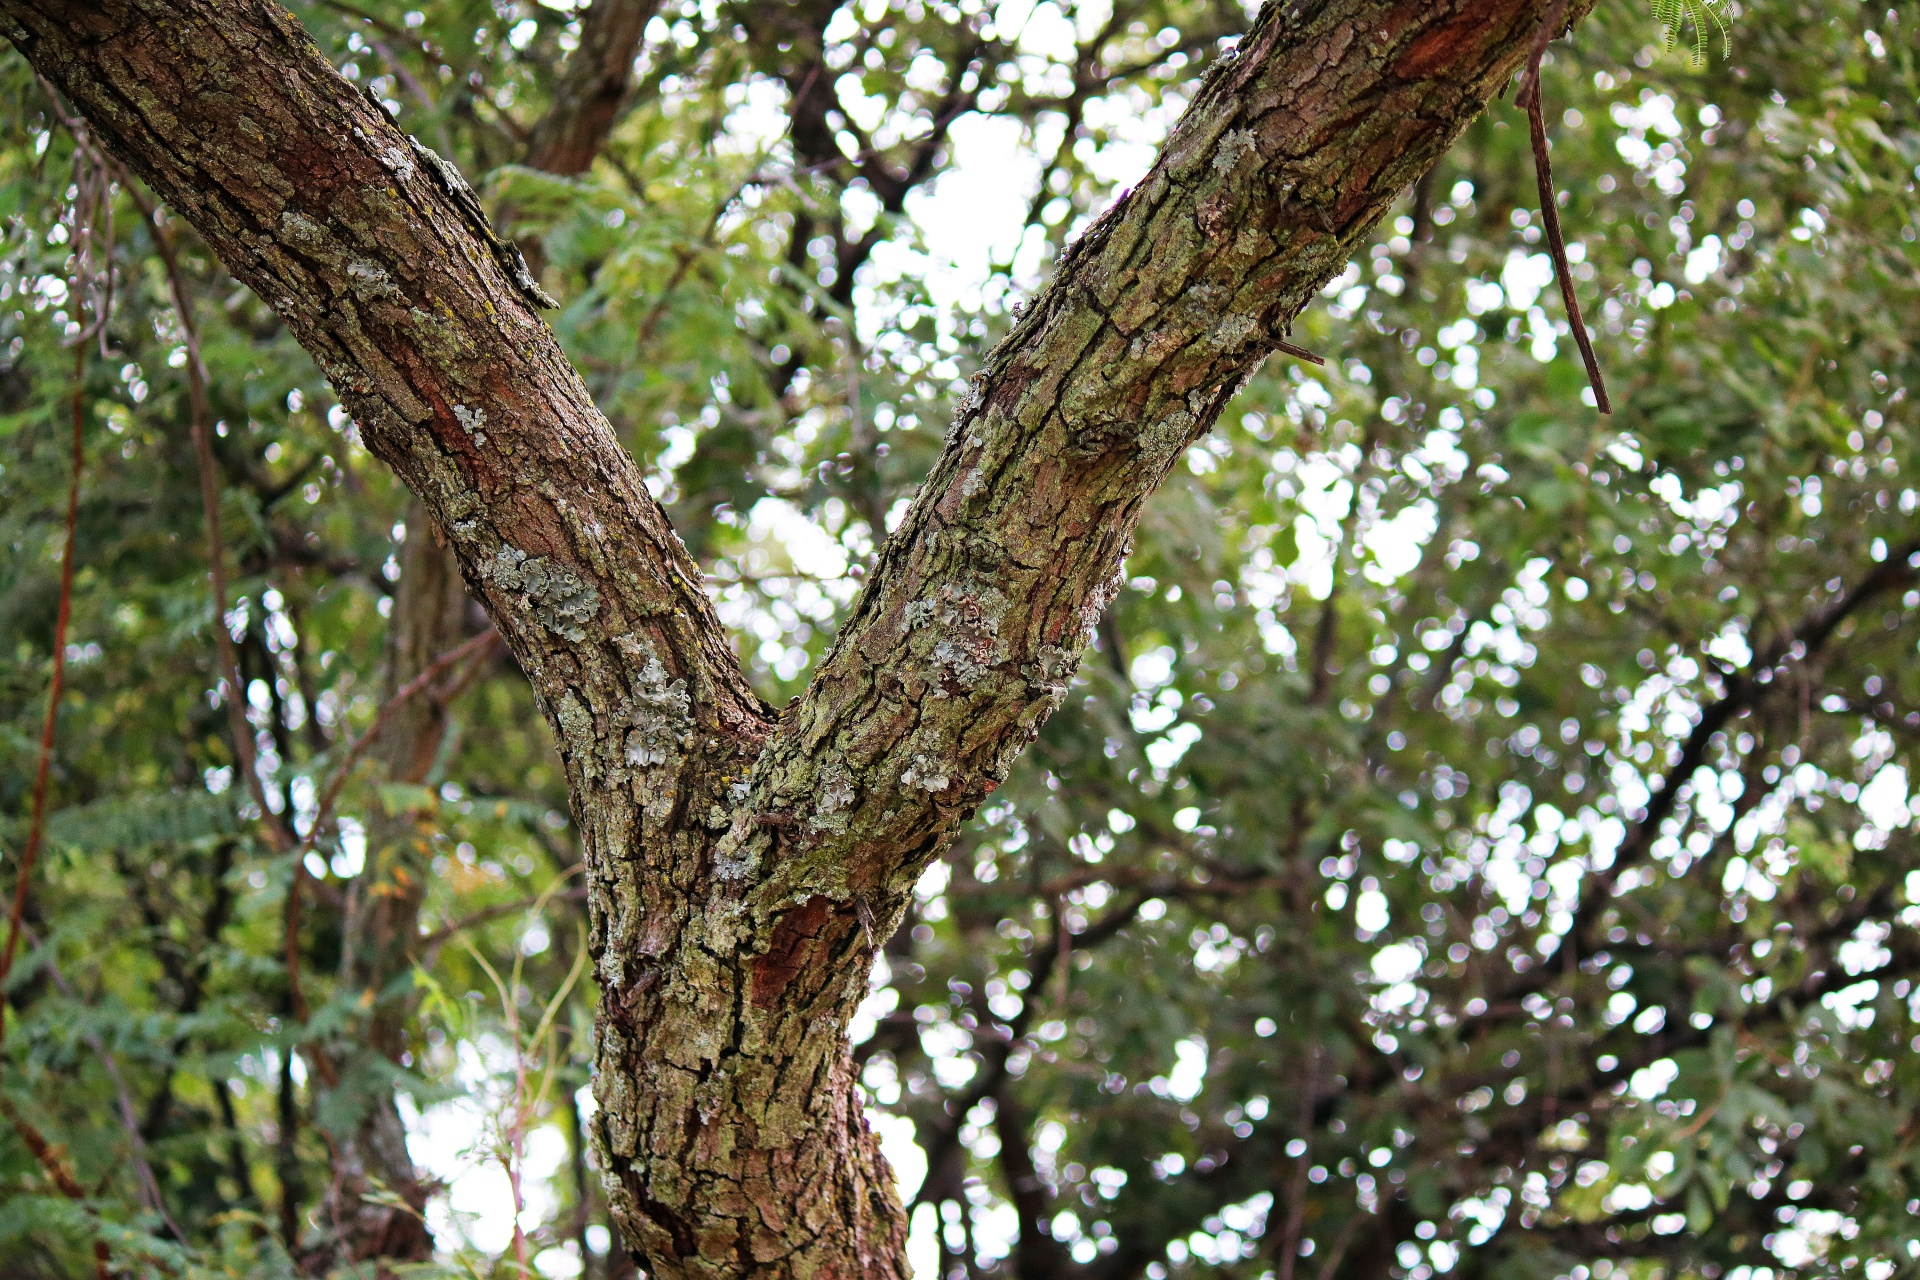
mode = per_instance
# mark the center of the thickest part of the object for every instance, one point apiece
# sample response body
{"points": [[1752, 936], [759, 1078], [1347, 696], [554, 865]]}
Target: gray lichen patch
{"points": [[736, 856], [370, 282], [1162, 441], [927, 772], [837, 795], [966, 625], [301, 230], [661, 716], [1102, 594], [1235, 332], [1234, 144], [472, 421], [563, 601], [576, 729], [1051, 670]]}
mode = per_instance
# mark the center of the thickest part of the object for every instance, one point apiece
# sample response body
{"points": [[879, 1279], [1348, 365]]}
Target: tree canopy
{"points": [[1479, 841]]}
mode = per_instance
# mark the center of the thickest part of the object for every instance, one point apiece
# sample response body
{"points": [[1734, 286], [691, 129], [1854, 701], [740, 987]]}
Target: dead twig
{"points": [[1529, 99], [1298, 353]]}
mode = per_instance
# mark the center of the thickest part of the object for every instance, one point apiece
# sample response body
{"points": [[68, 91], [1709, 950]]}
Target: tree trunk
{"points": [[743, 867], [430, 612]]}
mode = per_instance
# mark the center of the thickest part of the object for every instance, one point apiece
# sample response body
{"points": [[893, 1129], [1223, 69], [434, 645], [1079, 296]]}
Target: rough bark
{"points": [[430, 617], [743, 867]]}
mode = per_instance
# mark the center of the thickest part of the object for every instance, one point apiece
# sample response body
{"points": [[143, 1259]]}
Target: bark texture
{"points": [[431, 616], [742, 866]]}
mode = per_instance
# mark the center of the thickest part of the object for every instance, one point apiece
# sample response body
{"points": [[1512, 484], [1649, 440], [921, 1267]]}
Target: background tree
{"points": [[1289, 704]]}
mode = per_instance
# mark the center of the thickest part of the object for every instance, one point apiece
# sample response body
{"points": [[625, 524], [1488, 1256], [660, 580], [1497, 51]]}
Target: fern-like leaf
{"points": [[1704, 16], [143, 820]]}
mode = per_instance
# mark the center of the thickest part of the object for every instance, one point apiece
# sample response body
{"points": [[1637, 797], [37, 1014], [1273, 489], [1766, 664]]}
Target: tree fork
{"points": [[742, 867]]}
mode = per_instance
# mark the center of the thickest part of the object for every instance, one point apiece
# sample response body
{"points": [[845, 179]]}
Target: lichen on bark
{"points": [[742, 867]]}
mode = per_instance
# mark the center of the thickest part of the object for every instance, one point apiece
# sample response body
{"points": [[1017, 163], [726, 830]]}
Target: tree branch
{"points": [[1742, 691], [593, 87], [54, 1165], [376, 255], [973, 621]]}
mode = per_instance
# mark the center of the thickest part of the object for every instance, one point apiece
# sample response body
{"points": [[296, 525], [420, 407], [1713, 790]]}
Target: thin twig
{"points": [[291, 922], [383, 26], [1529, 98], [241, 731], [432, 942], [202, 429], [439, 666], [92, 201], [124, 1096], [1297, 1197], [57, 1172], [43, 765], [1550, 26], [1340, 1243], [1298, 353]]}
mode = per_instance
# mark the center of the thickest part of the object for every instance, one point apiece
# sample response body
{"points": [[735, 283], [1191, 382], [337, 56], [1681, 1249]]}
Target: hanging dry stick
{"points": [[1529, 99]]}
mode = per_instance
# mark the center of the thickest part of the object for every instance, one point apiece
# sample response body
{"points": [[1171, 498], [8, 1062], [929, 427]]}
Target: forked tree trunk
{"points": [[743, 866]]}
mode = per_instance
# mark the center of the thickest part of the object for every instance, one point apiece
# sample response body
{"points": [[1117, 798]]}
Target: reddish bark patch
{"points": [[802, 940], [1447, 45]]}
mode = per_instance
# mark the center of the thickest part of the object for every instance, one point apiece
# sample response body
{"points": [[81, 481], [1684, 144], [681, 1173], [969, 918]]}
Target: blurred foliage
{"points": [[1480, 842]]}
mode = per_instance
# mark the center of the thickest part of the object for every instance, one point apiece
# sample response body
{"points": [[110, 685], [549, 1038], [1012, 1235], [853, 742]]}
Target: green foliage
{"points": [[1674, 16]]}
